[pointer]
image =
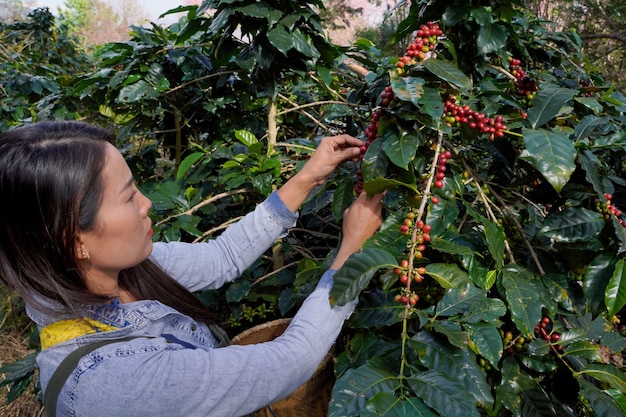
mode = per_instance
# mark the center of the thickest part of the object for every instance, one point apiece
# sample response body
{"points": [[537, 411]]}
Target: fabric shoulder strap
{"points": [[67, 366]]}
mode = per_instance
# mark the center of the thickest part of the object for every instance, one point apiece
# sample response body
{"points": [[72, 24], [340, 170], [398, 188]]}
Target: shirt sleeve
{"points": [[211, 264], [148, 378]]}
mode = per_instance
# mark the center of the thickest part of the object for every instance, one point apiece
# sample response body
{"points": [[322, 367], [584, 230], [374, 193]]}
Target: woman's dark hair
{"points": [[50, 189]]}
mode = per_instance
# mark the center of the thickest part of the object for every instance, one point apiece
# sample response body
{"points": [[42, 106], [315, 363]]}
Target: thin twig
{"points": [[202, 204], [216, 229]]}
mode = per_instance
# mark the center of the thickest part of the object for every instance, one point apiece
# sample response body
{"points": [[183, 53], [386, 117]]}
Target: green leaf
{"points": [[374, 163], [441, 216], [357, 272], [456, 363], [525, 297], [385, 404], [401, 150], [572, 225], [587, 126], [261, 11], [491, 38], [494, 234], [449, 72], [458, 301], [408, 89], [486, 341], [16, 371], [433, 105], [356, 387], [606, 373], [548, 103], [380, 184], [456, 335], [136, 92], [591, 166], [601, 403], [615, 295], [302, 44], [376, 309], [446, 395], [246, 137], [281, 39], [342, 198], [237, 291], [188, 163], [552, 154], [448, 275]]}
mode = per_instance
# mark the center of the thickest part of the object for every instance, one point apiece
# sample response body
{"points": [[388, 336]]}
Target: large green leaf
{"points": [[448, 275], [401, 149], [615, 296], [261, 11], [491, 38], [357, 272], [494, 235], [280, 38], [521, 394], [446, 395], [602, 404], [471, 303], [486, 342], [441, 216], [572, 225], [380, 184], [356, 387], [136, 92], [606, 373], [591, 165], [587, 126], [385, 404], [549, 103], [374, 163], [409, 89], [376, 308], [552, 154], [453, 362], [595, 280], [187, 163], [525, 297], [449, 72]]}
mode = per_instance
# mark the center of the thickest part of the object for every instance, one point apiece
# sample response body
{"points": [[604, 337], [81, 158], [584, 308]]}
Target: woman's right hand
{"points": [[360, 221]]}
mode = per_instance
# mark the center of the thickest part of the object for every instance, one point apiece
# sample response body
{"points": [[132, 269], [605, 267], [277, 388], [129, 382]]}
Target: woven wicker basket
{"points": [[311, 398]]}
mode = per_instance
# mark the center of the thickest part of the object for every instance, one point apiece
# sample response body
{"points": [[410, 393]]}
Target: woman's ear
{"points": [[80, 251]]}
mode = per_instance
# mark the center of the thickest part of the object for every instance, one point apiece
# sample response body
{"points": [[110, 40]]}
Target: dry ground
{"points": [[13, 347]]}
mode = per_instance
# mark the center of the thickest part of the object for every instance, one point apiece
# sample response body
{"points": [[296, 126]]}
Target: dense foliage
{"points": [[497, 282]]}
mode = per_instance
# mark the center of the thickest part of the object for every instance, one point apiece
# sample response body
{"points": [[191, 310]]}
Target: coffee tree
{"points": [[497, 282]]}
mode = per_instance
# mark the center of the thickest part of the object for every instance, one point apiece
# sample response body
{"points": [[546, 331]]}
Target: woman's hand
{"points": [[360, 221], [331, 152]]}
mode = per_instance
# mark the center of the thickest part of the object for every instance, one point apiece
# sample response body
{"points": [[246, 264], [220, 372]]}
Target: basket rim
{"points": [[272, 323]]}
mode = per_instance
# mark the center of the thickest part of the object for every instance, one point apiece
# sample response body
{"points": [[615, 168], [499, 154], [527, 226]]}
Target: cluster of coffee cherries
{"points": [[543, 330], [524, 85], [371, 133], [457, 114], [406, 296], [611, 210], [422, 233], [442, 161], [511, 343], [425, 41]]}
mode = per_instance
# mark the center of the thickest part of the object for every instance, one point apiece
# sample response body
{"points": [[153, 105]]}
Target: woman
{"points": [[75, 242]]}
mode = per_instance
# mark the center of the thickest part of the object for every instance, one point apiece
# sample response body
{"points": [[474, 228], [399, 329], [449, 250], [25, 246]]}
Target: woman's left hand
{"points": [[331, 152]]}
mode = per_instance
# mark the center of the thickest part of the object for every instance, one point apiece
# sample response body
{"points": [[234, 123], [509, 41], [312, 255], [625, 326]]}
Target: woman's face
{"points": [[122, 237]]}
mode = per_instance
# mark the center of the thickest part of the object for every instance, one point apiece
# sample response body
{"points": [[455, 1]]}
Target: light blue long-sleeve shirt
{"points": [[191, 377]]}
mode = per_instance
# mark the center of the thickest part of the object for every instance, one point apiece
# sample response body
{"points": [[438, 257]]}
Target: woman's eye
{"points": [[132, 196]]}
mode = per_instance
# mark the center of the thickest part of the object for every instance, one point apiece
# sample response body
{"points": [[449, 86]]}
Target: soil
{"points": [[13, 347]]}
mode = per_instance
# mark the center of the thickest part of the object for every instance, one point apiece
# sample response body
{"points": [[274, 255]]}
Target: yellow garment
{"points": [[64, 330]]}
